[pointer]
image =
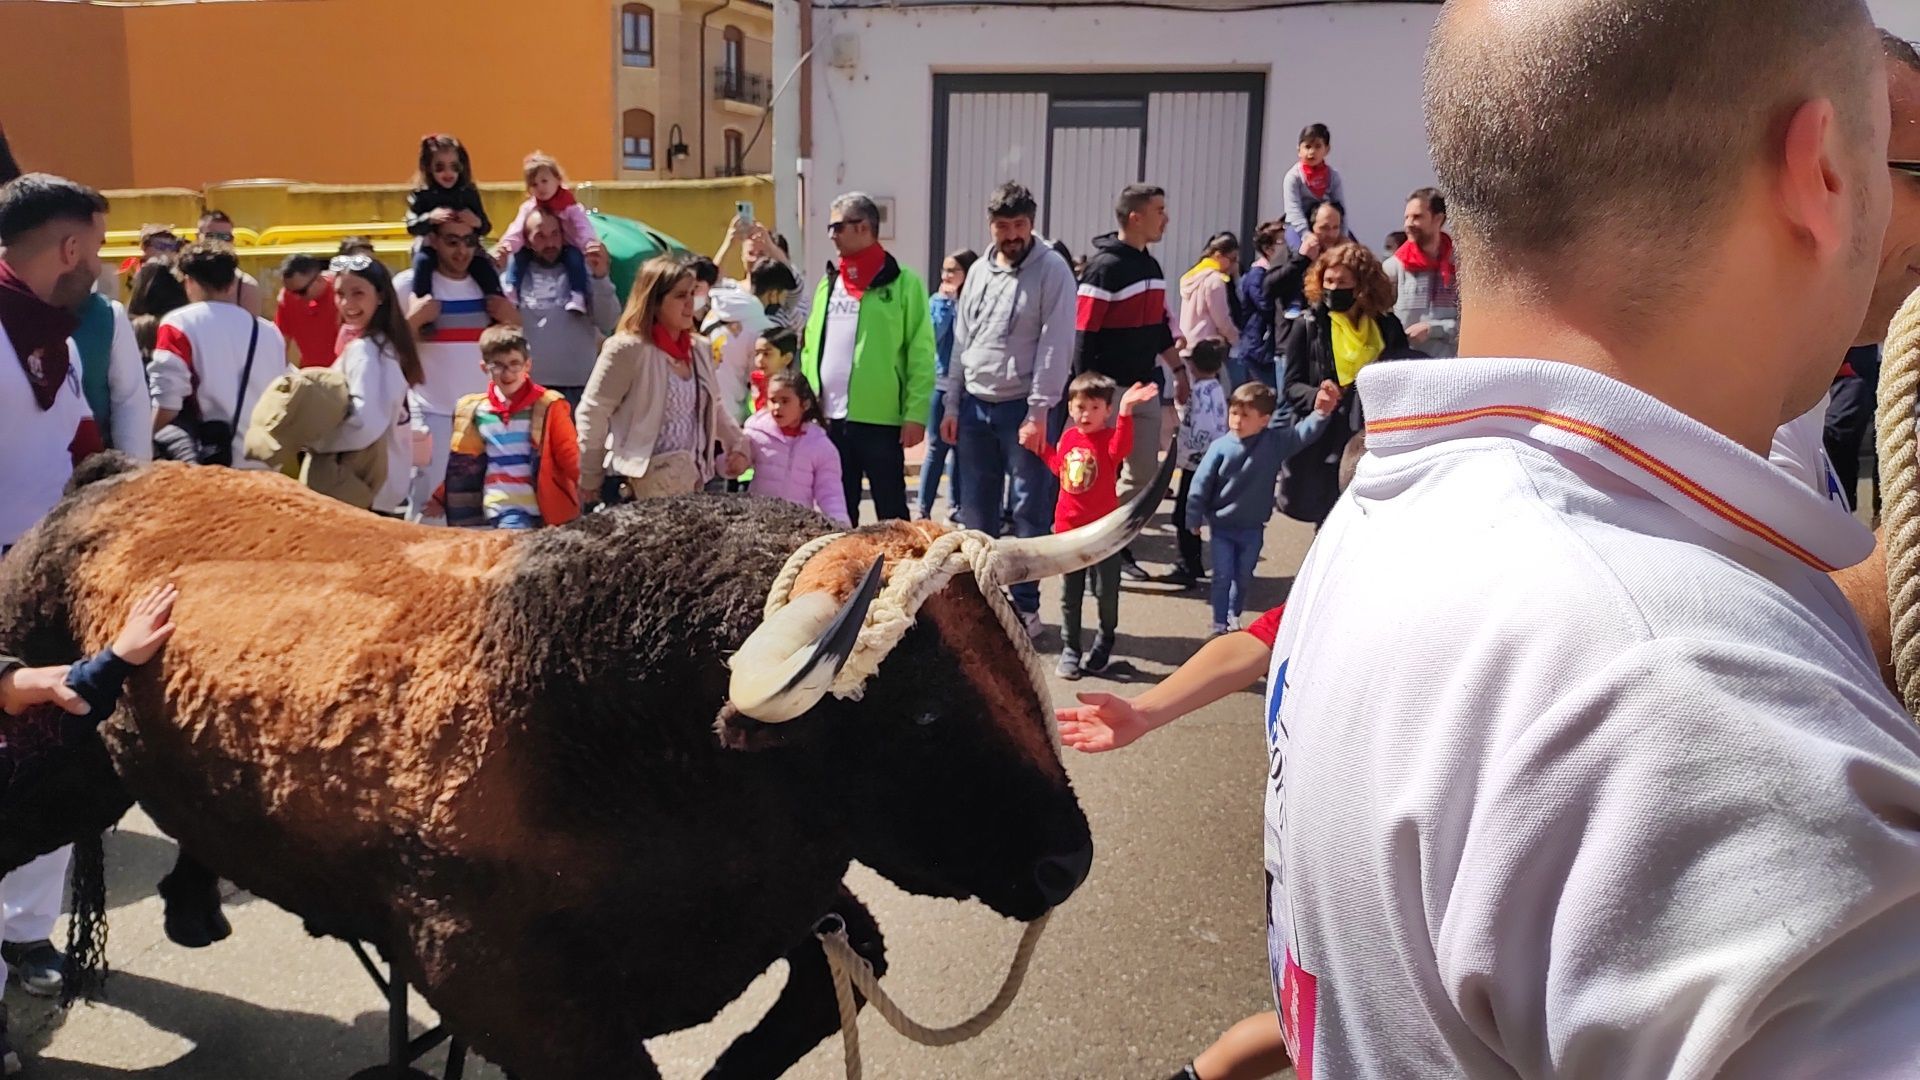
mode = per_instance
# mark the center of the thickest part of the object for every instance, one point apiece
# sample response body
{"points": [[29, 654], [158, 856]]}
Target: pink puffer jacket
{"points": [[803, 468]]}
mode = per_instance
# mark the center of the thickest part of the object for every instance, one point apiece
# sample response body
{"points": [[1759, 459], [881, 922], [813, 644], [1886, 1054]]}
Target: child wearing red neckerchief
{"points": [[514, 462], [547, 191]]}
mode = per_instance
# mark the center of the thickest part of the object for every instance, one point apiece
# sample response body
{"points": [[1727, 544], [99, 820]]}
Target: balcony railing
{"points": [[733, 84]]}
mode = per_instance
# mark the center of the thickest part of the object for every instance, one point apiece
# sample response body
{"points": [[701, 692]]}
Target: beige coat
{"points": [[621, 411]]}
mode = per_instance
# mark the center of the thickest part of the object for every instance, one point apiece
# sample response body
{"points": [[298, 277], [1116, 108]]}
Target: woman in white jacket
{"points": [[379, 364]]}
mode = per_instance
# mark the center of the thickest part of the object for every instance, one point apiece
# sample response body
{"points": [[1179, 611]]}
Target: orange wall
{"points": [[340, 91], [63, 94], [323, 91]]}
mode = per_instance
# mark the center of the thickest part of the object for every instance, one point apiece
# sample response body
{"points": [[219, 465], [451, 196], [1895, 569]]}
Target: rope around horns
{"points": [[1894, 422], [851, 970], [909, 583]]}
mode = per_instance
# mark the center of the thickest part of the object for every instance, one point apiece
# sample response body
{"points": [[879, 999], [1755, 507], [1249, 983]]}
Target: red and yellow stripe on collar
{"points": [[1666, 473]]}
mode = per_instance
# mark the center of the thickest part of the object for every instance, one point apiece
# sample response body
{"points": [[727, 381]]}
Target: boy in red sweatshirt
{"points": [[1088, 461]]}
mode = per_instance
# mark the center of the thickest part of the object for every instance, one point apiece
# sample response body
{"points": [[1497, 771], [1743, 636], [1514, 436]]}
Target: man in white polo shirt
{"points": [[1581, 765], [50, 234], [213, 354]]}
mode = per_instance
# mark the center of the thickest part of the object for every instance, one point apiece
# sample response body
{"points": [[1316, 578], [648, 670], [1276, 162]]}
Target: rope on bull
{"points": [[1894, 423], [851, 971], [909, 583]]}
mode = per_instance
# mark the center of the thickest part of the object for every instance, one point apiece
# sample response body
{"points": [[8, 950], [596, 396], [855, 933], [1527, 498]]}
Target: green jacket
{"points": [[892, 381]]}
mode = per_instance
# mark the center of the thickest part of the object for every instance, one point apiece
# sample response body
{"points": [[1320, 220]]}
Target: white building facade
{"points": [[927, 107]]}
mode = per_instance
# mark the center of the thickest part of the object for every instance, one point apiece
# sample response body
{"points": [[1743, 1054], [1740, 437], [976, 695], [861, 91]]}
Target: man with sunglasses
{"points": [[869, 354], [217, 228], [458, 311]]}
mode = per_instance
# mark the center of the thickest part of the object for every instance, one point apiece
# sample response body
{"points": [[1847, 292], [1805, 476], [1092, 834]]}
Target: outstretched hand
{"points": [[1137, 395], [148, 626], [1101, 722]]}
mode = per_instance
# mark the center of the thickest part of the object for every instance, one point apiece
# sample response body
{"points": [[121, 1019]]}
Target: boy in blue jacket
{"points": [[1233, 490]]}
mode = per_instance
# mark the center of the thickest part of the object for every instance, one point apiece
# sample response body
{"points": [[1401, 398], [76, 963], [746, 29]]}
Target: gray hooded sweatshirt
{"points": [[1013, 331]]}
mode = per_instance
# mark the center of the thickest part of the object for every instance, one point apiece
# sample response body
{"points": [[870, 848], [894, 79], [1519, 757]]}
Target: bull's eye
{"points": [[926, 718]]}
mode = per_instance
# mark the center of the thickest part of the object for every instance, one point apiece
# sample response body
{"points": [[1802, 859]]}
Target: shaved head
{"points": [[1625, 130]]}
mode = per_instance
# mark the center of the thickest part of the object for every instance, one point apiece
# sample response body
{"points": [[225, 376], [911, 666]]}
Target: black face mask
{"points": [[1340, 299]]}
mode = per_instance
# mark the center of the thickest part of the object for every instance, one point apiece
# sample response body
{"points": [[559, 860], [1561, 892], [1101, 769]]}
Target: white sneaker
{"points": [[577, 303], [1031, 620]]}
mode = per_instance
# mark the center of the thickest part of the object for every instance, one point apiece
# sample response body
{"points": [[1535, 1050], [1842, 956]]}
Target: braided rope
{"points": [[851, 970], [909, 583], [1900, 486]]}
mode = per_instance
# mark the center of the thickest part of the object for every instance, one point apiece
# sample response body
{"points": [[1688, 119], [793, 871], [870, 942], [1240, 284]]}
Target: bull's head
{"points": [[953, 773]]}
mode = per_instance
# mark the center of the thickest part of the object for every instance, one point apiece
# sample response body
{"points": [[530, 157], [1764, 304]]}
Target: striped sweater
{"points": [[1122, 318]]}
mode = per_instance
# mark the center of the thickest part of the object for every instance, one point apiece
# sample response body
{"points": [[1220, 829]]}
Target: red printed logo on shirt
{"points": [[1299, 994], [1078, 471]]}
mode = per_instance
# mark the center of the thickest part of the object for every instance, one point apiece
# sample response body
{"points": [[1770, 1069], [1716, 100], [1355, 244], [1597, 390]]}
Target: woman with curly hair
{"points": [[1349, 325]]}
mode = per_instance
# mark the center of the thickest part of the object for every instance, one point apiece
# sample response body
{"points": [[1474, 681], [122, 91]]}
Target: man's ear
{"points": [[1811, 184]]}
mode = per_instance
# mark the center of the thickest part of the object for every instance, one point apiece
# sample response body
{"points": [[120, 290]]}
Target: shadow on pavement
{"points": [[229, 1038]]}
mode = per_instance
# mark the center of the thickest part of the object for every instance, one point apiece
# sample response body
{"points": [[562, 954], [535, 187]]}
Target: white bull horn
{"points": [[789, 661], [1017, 560]]}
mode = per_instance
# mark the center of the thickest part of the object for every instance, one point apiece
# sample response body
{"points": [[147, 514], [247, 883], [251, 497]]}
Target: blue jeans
{"points": [[1235, 553], [990, 455], [936, 461]]}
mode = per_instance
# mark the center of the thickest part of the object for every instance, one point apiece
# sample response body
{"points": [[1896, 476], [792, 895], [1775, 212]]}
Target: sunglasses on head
{"points": [[351, 263]]}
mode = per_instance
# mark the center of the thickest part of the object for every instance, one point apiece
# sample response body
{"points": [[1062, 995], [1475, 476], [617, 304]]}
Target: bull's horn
{"points": [[1051, 556], [789, 661]]}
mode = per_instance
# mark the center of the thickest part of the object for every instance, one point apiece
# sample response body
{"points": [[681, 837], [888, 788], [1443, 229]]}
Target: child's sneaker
{"points": [[577, 303], [1218, 630], [1030, 620], [1069, 664], [1101, 652]]}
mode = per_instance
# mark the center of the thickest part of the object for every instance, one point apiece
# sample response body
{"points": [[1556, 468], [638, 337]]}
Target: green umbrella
{"points": [[630, 243]]}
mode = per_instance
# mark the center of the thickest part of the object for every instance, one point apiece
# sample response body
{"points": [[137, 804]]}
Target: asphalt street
{"points": [[1160, 950]]}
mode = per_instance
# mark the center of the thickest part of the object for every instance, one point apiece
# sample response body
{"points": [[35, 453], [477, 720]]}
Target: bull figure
{"points": [[521, 764]]}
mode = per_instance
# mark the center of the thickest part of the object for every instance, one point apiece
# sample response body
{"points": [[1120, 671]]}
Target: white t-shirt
{"points": [[1202, 420], [1580, 764], [36, 455], [450, 359], [200, 352], [836, 350]]}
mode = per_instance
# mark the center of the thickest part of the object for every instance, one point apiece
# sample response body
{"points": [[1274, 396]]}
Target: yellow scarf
{"points": [[1205, 265], [1354, 347]]}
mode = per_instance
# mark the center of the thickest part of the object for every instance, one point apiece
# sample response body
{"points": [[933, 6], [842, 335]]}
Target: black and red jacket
{"points": [[1123, 326]]}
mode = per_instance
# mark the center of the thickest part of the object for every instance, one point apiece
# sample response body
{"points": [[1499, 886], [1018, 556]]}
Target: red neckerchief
{"points": [[1318, 177], [522, 398], [562, 200], [858, 271], [680, 348], [759, 380], [1412, 258], [794, 431], [39, 333]]}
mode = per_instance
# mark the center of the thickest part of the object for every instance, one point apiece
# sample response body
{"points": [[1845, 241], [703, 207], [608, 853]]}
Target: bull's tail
{"points": [[84, 973]]}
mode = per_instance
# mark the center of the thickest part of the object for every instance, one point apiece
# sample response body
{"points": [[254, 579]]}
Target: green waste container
{"points": [[630, 243]]}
